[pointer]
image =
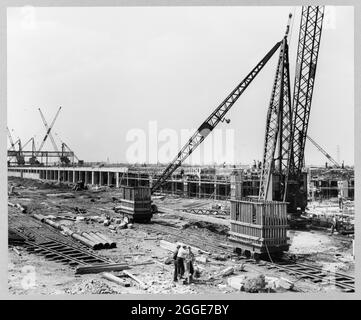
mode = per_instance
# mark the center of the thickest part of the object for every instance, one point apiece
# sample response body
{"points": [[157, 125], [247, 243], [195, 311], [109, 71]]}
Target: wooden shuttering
{"points": [[135, 193], [259, 223]]}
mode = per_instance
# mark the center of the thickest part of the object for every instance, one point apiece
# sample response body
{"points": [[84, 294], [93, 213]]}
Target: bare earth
{"points": [[33, 274]]}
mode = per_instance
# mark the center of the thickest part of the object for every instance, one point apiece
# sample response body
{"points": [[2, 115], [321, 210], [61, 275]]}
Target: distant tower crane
{"points": [[12, 144], [48, 130]]}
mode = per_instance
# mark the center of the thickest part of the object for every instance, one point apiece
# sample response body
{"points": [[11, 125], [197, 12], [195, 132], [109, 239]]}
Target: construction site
{"points": [[274, 225]]}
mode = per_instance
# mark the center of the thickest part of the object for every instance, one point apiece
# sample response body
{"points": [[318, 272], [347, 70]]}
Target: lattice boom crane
{"points": [[211, 122]]}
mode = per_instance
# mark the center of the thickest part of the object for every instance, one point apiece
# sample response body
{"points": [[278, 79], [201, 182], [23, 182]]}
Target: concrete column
{"points": [[74, 176], [108, 184], [86, 177], [199, 186], [185, 186], [236, 185], [93, 178], [117, 179]]}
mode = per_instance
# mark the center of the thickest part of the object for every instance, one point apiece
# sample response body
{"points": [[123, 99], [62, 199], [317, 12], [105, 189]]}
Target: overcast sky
{"points": [[114, 70]]}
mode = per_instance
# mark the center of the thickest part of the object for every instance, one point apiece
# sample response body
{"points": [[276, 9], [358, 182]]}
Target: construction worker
{"points": [[334, 224], [181, 255], [340, 201], [189, 264], [176, 267]]}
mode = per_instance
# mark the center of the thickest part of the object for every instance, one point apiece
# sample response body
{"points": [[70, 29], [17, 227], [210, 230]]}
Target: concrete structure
{"points": [[210, 183], [93, 176]]}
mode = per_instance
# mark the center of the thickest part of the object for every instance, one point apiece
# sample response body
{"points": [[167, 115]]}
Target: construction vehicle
{"points": [[217, 116], [282, 177]]}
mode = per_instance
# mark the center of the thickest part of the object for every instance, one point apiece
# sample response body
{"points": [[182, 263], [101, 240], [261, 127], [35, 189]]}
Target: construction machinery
{"points": [[283, 177], [33, 161], [64, 160], [64, 156], [48, 130], [323, 151], [12, 144], [217, 116], [64, 149], [20, 159]]}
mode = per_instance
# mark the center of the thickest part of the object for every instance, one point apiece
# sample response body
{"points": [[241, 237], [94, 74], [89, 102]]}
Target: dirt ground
{"points": [[140, 247]]}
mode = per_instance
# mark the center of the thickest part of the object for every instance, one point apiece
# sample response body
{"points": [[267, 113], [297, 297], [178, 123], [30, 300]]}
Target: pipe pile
{"points": [[94, 240]]}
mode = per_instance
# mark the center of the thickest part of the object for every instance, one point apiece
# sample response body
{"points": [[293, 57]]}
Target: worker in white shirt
{"points": [[182, 254]]}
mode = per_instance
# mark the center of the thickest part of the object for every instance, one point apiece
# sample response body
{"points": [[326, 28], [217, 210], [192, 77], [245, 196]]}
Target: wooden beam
{"points": [[97, 268]]}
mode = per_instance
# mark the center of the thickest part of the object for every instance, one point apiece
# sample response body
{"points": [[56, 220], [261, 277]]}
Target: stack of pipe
{"points": [[94, 240], [100, 240]]}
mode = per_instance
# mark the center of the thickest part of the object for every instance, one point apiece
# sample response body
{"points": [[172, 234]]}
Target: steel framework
{"points": [[278, 134], [307, 55]]}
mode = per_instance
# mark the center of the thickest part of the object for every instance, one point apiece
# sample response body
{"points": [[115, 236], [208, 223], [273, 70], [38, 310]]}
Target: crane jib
{"points": [[216, 116]]}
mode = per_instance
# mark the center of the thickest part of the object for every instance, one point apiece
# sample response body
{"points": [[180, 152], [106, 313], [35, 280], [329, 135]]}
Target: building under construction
{"points": [[257, 205]]}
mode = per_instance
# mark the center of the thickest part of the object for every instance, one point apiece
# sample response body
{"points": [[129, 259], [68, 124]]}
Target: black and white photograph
{"points": [[180, 150]]}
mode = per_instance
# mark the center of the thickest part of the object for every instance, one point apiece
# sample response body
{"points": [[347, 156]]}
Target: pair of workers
{"points": [[183, 258]]}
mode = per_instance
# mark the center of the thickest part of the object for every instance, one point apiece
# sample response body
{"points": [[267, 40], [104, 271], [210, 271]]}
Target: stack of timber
{"points": [[135, 203], [259, 227]]}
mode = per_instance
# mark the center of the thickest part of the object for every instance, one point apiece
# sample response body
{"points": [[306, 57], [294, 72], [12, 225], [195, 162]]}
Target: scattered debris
{"points": [[117, 280], [140, 282], [248, 283], [227, 272]]}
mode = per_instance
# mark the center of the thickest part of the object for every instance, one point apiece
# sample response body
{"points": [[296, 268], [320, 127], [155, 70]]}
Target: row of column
{"points": [[199, 189], [102, 178]]}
